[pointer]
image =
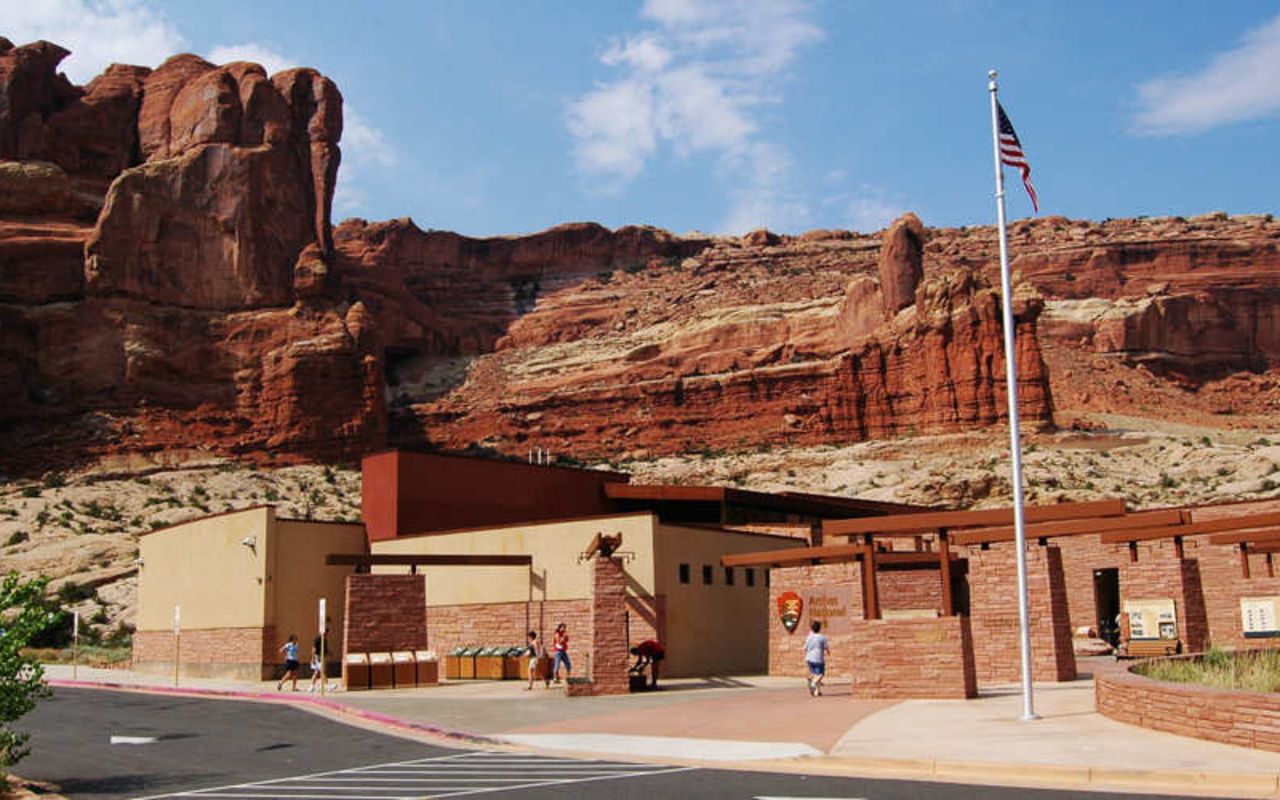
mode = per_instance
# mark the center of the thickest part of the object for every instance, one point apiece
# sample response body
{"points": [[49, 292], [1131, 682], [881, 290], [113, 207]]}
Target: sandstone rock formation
{"points": [[170, 279]]}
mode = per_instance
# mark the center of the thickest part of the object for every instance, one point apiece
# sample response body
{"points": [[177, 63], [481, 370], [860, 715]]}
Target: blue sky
{"points": [[726, 115]]}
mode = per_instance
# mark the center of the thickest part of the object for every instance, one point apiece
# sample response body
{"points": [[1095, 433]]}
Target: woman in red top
{"points": [[561, 646]]}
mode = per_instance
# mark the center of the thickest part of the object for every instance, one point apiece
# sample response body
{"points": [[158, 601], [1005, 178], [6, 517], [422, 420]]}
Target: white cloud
{"points": [[97, 32], [871, 211], [696, 85], [364, 147], [270, 60], [1235, 86]]}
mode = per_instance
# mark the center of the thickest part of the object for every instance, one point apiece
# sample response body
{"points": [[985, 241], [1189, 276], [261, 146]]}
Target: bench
{"points": [[1149, 648]]}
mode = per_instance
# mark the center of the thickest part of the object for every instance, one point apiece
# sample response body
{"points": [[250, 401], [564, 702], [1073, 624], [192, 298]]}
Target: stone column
{"points": [[609, 656]]}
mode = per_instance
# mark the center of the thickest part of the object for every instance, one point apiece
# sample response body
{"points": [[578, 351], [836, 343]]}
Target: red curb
{"points": [[285, 699]]}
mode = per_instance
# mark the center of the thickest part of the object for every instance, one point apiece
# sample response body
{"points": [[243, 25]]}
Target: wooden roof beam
{"points": [[795, 556], [1193, 528], [969, 519], [1072, 527], [1257, 536]]}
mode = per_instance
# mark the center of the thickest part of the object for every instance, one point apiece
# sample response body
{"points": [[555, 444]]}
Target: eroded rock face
{"points": [[901, 265], [203, 302]]}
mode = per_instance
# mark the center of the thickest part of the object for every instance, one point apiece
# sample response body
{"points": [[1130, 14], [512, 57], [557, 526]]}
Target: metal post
{"points": [[177, 638], [1015, 448], [75, 643], [324, 628]]}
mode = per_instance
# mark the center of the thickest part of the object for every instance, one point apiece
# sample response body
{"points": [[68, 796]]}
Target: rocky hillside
{"points": [[170, 281], [179, 320]]}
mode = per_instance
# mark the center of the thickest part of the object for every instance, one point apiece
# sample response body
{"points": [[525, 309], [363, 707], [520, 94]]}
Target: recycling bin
{"points": [[404, 671], [453, 663], [489, 663], [381, 671], [468, 668], [428, 667], [355, 671], [515, 663]]}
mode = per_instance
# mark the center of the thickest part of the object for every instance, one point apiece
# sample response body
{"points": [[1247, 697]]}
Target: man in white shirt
{"points": [[815, 654]]}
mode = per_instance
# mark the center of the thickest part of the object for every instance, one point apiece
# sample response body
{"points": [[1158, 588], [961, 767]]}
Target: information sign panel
{"points": [[1152, 619], [1258, 616]]}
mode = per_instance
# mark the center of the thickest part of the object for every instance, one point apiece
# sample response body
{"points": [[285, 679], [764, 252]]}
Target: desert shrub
{"points": [[31, 491], [18, 537], [24, 615], [1250, 671]]}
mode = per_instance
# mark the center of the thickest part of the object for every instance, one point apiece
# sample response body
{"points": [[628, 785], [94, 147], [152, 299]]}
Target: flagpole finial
{"points": [[991, 73]]}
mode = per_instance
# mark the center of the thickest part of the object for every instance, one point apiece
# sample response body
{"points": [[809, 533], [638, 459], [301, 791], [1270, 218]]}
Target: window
{"points": [[706, 574], [684, 573], [766, 578], [751, 576], [728, 576]]}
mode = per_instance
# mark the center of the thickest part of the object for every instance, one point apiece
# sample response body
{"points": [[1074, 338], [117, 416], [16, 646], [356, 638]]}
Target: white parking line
{"points": [[446, 776]]}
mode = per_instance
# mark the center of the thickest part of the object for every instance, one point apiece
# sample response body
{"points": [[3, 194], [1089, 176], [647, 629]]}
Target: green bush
{"points": [[31, 491]]}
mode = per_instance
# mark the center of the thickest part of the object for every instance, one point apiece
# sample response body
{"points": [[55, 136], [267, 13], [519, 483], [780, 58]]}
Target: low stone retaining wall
{"points": [[1249, 719]]}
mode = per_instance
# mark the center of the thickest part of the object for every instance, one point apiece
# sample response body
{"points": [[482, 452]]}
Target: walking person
{"points": [[815, 654], [319, 644], [537, 653], [561, 646], [290, 650]]}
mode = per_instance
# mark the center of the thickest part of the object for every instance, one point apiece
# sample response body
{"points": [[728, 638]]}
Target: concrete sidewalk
{"points": [[772, 723]]}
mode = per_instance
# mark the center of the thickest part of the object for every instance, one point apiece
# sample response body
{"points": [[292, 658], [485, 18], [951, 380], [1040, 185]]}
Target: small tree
{"points": [[24, 614]]}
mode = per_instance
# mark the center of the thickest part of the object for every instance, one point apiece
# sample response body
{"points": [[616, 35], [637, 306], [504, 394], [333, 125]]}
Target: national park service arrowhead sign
{"points": [[790, 605]]}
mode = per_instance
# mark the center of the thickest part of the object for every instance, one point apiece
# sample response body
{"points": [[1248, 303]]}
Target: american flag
{"points": [[1011, 154]]}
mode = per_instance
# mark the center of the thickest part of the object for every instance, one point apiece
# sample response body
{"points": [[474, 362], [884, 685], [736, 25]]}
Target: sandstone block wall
{"points": [[1159, 573], [231, 653], [1247, 719], [508, 623], [1081, 555], [911, 658], [385, 613], [1224, 585], [840, 588], [993, 604], [609, 656]]}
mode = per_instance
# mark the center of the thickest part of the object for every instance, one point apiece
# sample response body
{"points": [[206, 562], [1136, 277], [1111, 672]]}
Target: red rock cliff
{"points": [[169, 279]]}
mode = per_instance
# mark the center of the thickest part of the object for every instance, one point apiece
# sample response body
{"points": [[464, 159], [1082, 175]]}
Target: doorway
{"points": [[1106, 599]]}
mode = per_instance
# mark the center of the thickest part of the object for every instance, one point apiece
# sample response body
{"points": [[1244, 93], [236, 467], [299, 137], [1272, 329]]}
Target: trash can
{"points": [[453, 663], [515, 663], [468, 668], [489, 663], [428, 667], [381, 675], [355, 671], [405, 669]]}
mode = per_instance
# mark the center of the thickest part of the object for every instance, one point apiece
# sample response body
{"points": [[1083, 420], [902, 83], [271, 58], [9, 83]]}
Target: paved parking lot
{"points": [[443, 776]]}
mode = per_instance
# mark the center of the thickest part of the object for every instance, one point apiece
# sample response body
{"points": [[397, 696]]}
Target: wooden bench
{"points": [[1149, 648]]}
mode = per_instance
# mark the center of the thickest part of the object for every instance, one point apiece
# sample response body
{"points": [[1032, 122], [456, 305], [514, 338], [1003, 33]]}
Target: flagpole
{"points": [[1015, 448]]}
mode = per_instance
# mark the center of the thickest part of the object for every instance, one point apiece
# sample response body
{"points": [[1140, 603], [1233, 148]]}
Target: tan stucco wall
{"points": [[555, 547], [715, 629], [202, 566], [299, 577]]}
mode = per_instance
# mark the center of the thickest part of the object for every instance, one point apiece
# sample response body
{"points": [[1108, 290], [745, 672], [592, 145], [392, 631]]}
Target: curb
{"points": [[1231, 784]]}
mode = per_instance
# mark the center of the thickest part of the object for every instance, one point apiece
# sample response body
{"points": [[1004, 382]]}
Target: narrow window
{"points": [[766, 578], [751, 576], [684, 573], [728, 576], [706, 574]]}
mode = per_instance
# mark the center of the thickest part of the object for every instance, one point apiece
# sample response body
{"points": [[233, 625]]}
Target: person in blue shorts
{"points": [[815, 655], [290, 649]]}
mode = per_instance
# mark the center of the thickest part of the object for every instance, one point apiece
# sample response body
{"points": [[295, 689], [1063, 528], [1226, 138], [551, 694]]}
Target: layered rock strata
{"points": [[170, 279]]}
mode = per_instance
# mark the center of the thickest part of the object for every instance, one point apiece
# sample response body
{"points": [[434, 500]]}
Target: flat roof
{"points": [[784, 502]]}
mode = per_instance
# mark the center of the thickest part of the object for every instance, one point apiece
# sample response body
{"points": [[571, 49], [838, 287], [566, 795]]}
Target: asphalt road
{"points": [[221, 748]]}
